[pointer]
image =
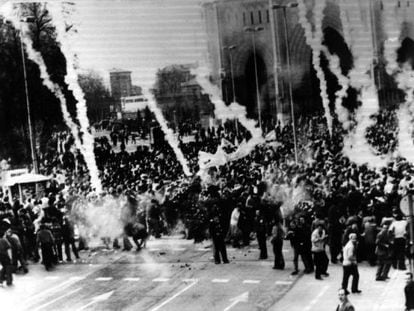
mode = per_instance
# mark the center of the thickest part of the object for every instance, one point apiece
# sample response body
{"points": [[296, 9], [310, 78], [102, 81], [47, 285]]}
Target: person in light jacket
{"points": [[350, 265], [320, 259]]}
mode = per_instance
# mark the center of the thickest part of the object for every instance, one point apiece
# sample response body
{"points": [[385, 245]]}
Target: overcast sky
{"points": [[138, 35]]}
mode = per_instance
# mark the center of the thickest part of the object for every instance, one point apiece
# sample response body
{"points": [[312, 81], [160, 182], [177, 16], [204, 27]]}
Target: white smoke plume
{"points": [[343, 81], [10, 14], [405, 138], [314, 40], [223, 112], [405, 81], [392, 43], [71, 78], [169, 133], [356, 146]]}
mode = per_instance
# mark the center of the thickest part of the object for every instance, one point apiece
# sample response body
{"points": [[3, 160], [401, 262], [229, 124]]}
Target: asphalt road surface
{"points": [[175, 274], [170, 274]]}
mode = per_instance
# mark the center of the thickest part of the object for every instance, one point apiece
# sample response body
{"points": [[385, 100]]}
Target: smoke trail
{"points": [[393, 31], [356, 146], [71, 79], [221, 111], [343, 81], [314, 40], [169, 134], [11, 15]]}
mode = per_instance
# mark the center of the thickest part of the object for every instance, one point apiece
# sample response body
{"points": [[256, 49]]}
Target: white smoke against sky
{"points": [[168, 132], [314, 40], [10, 13], [356, 146], [71, 79], [224, 112]]}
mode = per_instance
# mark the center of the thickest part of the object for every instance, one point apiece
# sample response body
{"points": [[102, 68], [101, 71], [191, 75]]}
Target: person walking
{"points": [[216, 227], [344, 303], [320, 258], [17, 251], [45, 240], [278, 234], [68, 235], [369, 235], [384, 252], [399, 230], [350, 265]]}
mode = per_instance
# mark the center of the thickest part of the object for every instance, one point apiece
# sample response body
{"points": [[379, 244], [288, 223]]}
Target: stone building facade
{"points": [[226, 23]]}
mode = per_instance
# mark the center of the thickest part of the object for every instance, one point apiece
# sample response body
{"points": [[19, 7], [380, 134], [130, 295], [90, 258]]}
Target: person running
{"points": [[350, 265]]}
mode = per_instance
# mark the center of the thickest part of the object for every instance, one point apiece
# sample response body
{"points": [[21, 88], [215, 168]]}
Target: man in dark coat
{"points": [[45, 240], [216, 227], [5, 259], [383, 252]]}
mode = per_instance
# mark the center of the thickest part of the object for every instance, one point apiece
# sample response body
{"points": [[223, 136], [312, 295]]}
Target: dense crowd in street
{"points": [[323, 200]]}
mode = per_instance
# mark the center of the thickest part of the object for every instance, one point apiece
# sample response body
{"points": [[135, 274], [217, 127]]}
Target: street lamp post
{"points": [[284, 7], [26, 89], [230, 49], [253, 30]]}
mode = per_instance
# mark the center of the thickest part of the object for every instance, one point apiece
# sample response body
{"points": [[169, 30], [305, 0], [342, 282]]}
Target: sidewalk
{"points": [[310, 294]]}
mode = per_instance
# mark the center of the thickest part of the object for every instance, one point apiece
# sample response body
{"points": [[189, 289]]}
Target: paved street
{"points": [[174, 274]]}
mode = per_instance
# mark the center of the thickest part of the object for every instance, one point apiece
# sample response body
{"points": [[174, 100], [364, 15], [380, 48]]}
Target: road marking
{"points": [[154, 249], [202, 249], [174, 296], [251, 282], [50, 290], [241, 298], [52, 277], [315, 300], [161, 280], [97, 299], [56, 299], [132, 279], [283, 282], [103, 279], [178, 249], [190, 280], [220, 280], [77, 278]]}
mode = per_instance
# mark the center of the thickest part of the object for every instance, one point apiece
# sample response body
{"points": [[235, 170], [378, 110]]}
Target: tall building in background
{"points": [[121, 84]]}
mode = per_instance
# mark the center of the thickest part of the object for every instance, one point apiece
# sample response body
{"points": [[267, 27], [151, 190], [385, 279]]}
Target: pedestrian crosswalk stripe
{"points": [[251, 282], [154, 249], [161, 280], [220, 280], [103, 279], [77, 278], [190, 280], [132, 279], [283, 282], [202, 249], [178, 249]]}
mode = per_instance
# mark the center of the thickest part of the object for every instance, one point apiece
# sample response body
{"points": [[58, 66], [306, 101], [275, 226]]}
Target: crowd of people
{"points": [[321, 200]]}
